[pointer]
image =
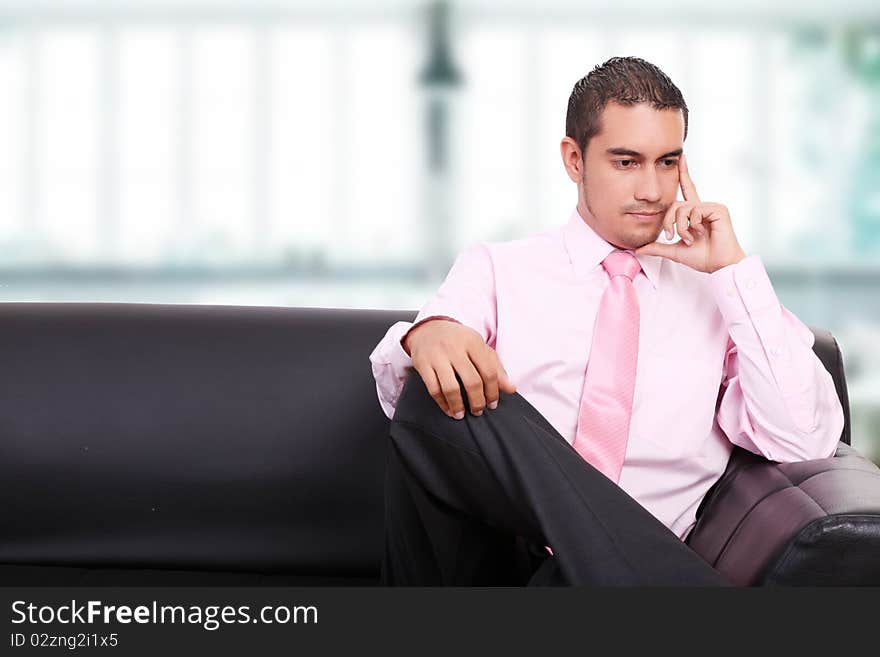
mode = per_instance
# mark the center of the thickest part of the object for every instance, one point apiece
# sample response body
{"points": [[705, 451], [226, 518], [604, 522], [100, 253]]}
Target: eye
{"points": [[672, 163], [620, 163]]}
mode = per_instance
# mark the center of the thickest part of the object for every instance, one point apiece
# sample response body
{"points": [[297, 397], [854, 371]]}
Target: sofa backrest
{"points": [[234, 438], [828, 351], [192, 437]]}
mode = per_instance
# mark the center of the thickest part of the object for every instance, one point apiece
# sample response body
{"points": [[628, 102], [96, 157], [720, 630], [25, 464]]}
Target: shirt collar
{"points": [[586, 249]]}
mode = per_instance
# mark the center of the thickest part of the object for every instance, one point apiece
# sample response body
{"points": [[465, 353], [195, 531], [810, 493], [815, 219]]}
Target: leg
{"points": [[428, 543], [508, 473]]}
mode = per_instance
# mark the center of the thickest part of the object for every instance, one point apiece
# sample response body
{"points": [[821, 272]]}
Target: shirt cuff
{"points": [[389, 351], [742, 288]]}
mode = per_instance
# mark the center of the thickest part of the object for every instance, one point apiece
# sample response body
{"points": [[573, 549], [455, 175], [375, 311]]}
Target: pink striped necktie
{"points": [[606, 400]]}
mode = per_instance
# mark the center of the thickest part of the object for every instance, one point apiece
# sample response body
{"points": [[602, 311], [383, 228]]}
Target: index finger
{"points": [[688, 189]]}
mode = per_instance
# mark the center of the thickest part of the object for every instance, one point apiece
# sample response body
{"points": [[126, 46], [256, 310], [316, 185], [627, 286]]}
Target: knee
{"points": [[415, 403], [418, 415]]}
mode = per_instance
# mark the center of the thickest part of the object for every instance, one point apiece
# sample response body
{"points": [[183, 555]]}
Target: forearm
{"points": [[780, 401]]}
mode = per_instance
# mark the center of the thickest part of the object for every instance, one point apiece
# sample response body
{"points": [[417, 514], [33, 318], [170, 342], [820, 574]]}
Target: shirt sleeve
{"points": [[467, 296], [777, 399]]}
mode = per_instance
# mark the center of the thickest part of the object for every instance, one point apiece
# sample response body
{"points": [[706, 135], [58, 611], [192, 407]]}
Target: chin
{"points": [[646, 242], [633, 243], [652, 237]]}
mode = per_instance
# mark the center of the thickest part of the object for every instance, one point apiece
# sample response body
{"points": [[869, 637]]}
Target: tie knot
{"points": [[621, 263]]}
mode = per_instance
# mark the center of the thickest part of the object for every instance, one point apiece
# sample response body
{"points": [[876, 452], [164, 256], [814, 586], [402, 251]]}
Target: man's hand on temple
{"points": [[441, 348], [708, 241]]}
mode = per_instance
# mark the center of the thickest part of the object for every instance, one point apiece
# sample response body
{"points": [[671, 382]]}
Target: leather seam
{"points": [[741, 521], [757, 503]]}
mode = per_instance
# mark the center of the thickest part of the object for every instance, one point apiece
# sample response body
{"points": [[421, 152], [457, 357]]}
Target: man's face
{"points": [[630, 167]]}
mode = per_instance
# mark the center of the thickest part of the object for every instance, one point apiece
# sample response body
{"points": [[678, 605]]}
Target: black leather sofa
{"points": [[198, 445]]}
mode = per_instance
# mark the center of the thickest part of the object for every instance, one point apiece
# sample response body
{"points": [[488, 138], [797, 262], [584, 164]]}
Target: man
{"points": [[607, 370]]}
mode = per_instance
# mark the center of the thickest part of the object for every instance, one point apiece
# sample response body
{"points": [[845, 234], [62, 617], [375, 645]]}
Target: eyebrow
{"points": [[632, 153]]}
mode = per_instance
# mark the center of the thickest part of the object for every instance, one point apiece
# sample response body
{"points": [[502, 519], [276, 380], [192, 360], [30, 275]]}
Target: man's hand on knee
{"points": [[440, 349]]}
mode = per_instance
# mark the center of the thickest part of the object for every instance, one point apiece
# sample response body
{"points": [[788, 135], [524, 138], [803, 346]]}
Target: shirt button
{"points": [[775, 351], [731, 292], [752, 283]]}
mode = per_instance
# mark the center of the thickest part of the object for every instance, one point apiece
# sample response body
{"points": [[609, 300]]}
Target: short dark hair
{"points": [[623, 80]]}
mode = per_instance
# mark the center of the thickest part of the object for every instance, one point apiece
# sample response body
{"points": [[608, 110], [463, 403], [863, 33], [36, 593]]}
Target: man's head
{"points": [[625, 129]]}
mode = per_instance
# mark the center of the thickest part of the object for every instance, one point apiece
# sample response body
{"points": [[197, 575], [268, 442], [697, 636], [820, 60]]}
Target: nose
{"points": [[648, 189]]}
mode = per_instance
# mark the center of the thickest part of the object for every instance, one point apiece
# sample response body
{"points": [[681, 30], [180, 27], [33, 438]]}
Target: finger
{"points": [[432, 383], [695, 218], [451, 389], [671, 251], [688, 189], [488, 371], [669, 220], [681, 223], [472, 382], [505, 384]]}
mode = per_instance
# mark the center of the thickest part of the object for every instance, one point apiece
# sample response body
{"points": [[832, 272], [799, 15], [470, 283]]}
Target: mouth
{"points": [[645, 216]]}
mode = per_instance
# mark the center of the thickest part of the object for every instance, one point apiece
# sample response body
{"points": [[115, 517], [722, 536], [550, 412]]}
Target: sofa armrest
{"points": [[811, 522]]}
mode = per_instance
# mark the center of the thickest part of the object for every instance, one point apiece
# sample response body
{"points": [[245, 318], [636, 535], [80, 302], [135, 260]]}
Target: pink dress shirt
{"points": [[721, 362]]}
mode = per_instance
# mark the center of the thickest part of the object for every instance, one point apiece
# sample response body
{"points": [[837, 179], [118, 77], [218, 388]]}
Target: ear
{"points": [[572, 159]]}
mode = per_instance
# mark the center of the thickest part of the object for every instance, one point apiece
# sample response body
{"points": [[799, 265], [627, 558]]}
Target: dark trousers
{"points": [[473, 502]]}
